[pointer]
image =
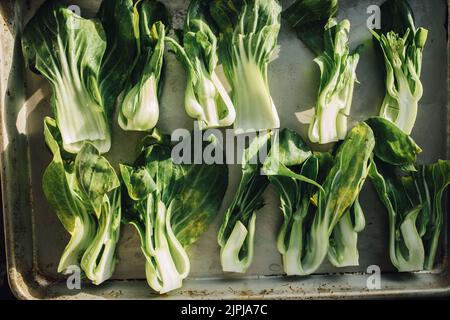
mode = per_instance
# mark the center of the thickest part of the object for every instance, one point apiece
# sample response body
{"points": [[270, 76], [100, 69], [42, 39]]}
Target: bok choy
{"points": [[412, 195], [337, 81], [68, 50], [206, 98], [402, 46], [314, 22], [170, 205], [237, 232], [248, 38], [139, 108], [320, 221], [85, 193], [118, 18], [236, 235]]}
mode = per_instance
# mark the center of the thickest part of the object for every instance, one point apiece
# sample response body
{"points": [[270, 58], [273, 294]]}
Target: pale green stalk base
{"points": [[413, 243], [84, 232], [140, 107], [255, 110], [299, 263], [240, 236], [167, 261], [343, 251], [79, 115], [99, 260]]}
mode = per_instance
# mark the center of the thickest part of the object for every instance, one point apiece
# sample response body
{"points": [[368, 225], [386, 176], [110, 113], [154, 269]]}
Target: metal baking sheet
{"points": [[3, 283], [35, 238]]}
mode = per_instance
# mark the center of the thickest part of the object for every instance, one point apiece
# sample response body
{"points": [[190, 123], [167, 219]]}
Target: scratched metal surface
{"points": [[35, 238]]}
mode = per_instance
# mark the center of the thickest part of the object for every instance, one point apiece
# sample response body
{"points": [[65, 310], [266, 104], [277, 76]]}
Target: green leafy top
{"points": [[194, 191], [398, 17], [289, 150], [121, 25], [393, 146], [95, 175], [200, 41], [152, 20], [308, 18], [346, 178]]}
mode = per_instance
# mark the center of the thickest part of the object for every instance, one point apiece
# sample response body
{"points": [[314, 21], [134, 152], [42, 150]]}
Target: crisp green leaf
{"points": [[308, 18], [57, 181], [392, 145], [96, 176], [397, 16]]}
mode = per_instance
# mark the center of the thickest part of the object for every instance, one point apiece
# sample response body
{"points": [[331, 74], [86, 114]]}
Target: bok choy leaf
{"points": [[308, 18], [118, 18]]}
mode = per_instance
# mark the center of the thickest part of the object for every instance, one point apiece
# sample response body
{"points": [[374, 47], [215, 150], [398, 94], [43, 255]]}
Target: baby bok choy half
{"points": [[85, 193], [68, 50], [236, 235], [412, 195], [206, 98], [139, 108], [170, 205], [314, 22], [337, 81], [248, 37], [237, 232], [402, 47], [319, 221]]}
